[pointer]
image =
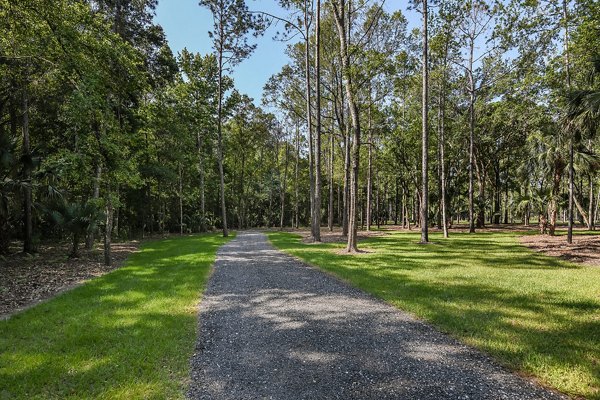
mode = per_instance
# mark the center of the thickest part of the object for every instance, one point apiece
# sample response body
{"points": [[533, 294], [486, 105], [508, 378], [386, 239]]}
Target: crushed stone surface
{"points": [[272, 327]]}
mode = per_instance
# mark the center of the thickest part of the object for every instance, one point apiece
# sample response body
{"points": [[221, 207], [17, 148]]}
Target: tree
{"points": [[231, 24]]}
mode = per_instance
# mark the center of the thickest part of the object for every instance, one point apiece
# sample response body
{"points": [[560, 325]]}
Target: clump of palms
{"points": [[75, 218]]}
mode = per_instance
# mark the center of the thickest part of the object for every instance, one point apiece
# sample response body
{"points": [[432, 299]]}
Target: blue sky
{"points": [[186, 24]]}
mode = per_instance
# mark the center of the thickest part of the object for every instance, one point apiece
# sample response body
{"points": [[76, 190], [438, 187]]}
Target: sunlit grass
{"points": [[126, 335], [534, 313]]}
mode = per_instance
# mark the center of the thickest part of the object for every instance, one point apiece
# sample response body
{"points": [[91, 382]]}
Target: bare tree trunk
{"points": [[283, 187], [442, 139], [317, 205], [201, 174], [89, 243], [180, 200], [311, 161], [28, 201], [108, 229], [340, 19], [331, 193], [347, 145], [471, 135], [220, 140], [591, 205], [571, 139], [296, 171], [369, 173], [425, 132]]}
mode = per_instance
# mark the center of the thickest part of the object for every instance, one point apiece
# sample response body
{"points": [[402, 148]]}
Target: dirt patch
{"points": [[584, 250], [26, 280]]}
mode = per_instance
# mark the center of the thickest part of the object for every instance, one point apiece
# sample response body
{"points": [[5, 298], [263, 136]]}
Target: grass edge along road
{"points": [[535, 314], [126, 335]]}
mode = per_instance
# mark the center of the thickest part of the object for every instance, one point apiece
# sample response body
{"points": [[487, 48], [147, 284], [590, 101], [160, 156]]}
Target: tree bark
{"points": [[471, 135], [369, 206], [283, 188], [220, 138], [201, 176], [340, 19], [425, 134], [317, 204], [311, 161], [28, 201], [108, 229], [571, 138], [331, 193]]}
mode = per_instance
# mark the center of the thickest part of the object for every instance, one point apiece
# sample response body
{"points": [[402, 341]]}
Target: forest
{"points": [[485, 114], [407, 210]]}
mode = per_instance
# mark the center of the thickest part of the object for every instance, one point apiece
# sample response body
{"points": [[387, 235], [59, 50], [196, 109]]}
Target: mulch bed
{"points": [[26, 280], [584, 250]]}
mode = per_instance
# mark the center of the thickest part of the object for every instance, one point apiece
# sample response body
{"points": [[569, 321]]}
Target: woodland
{"points": [[485, 114]]}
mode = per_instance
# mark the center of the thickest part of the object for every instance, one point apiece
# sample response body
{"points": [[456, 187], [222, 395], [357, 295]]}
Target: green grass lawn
{"points": [[534, 313], [126, 335]]}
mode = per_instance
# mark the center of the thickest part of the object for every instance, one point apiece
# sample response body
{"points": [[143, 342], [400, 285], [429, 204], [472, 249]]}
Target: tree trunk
{"points": [[346, 180], [283, 187], [296, 171], [425, 134], [180, 200], [311, 161], [89, 244], [471, 136], [331, 192], [108, 229], [201, 176], [340, 19], [317, 204], [591, 216], [369, 173], [442, 150], [75, 248], [28, 201], [571, 139], [220, 140]]}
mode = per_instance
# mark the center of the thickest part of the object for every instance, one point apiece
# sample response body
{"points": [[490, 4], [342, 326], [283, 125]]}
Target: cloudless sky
{"points": [[186, 25]]}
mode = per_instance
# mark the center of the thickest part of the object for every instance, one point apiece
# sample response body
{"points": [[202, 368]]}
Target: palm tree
{"points": [[75, 218]]}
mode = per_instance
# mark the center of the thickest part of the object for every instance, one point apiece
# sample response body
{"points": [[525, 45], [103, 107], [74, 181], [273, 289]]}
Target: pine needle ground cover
{"points": [[126, 335], [535, 314]]}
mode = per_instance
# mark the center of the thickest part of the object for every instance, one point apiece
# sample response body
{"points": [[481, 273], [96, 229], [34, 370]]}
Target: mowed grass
{"points": [[534, 313], [126, 335]]}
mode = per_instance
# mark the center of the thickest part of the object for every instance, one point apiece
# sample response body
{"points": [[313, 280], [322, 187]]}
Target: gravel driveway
{"points": [[272, 327]]}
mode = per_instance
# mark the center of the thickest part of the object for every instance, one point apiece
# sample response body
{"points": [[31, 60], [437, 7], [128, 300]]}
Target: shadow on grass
{"points": [[535, 313], [128, 334]]}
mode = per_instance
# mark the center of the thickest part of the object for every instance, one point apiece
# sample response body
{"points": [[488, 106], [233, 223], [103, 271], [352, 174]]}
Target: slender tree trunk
{"points": [[201, 176], [347, 141], [28, 202], [89, 244], [108, 229], [340, 19], [296, 183], [180, 200], [471, 136], [331, 193], [425, 132], [571, 139], [442, 139], [369, 206], [317, 205], [220, 139], [311, 161], [283, 187], [591, 216]]}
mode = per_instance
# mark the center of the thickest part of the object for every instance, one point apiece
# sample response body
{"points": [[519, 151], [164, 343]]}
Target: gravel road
{"points": [[272, 327]]}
